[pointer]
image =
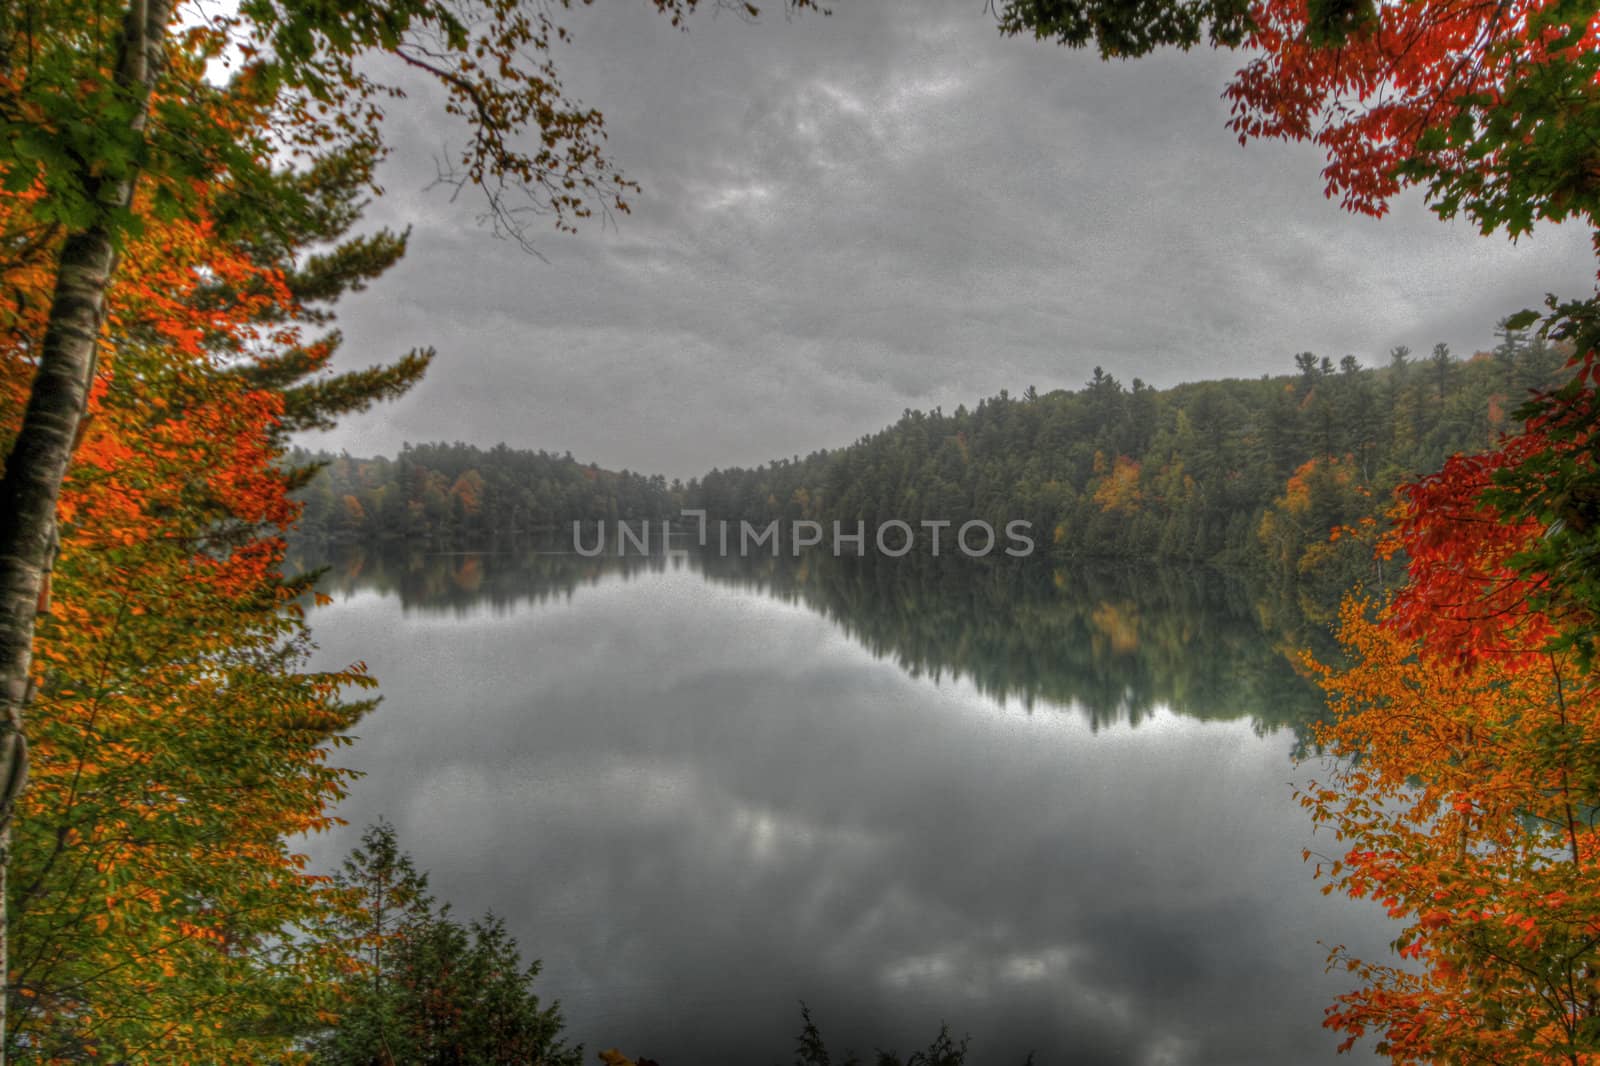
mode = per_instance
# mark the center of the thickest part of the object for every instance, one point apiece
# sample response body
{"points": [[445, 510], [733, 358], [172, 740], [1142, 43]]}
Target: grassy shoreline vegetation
{"points": [[181, 209]]}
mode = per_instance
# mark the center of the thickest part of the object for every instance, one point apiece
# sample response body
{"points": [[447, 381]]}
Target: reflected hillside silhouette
{"points": [[467, 583], [1115, 643]]}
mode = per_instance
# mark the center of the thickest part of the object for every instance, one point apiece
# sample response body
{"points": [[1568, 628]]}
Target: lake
{"points": [[1050, 807]]}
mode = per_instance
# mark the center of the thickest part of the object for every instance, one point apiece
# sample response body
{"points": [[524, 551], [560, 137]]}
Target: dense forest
{"points": [[1234, 471], [445, 493], [1251, 472]]}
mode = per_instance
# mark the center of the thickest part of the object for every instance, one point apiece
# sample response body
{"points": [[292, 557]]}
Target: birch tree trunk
{"points": [[57, 401]]}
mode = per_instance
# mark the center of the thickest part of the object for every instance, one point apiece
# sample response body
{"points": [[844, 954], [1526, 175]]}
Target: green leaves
{"points": [[1330, 23], [1522, 319], [76, 143], [428, 990], [1126, 30], [1493, 108]]}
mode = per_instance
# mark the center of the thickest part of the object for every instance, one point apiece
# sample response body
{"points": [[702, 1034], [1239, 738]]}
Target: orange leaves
{"points": [[1467, 597], [1461, 795], [1487, 105], [173, 286], [1463, 784], [1490, 107], [1118, 490], [176, 739], [1431, 920]]}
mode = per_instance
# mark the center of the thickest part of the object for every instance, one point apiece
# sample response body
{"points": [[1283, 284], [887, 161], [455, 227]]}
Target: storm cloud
{"points": [[893, 207]]}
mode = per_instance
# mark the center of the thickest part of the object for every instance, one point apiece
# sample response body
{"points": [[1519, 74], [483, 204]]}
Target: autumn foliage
{"points": [[159, 913], [1489, 107], [1461, 785], [1463, 779]]}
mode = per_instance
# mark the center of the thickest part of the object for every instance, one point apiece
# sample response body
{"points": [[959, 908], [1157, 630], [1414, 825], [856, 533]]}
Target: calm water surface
{"points": [[1051, 808]]}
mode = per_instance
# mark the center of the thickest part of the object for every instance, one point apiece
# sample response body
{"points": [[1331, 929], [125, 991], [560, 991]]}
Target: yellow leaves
{"points": [[1118, 490], [175, 743], [1119, 624], [1454, 791]]}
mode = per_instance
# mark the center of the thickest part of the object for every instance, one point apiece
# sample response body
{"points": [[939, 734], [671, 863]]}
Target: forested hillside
{"points": [[452, 493], [1227, 471], [1252, 472]]}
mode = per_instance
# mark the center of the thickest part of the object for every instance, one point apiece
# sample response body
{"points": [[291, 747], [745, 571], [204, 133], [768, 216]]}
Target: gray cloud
{"points": [[894, 207]]}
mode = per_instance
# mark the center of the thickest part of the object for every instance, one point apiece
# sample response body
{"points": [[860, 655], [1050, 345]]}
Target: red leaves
{"points": [[176, 742], [1467, 597], [1458, 96], [1462, 775], [1461, 792]]}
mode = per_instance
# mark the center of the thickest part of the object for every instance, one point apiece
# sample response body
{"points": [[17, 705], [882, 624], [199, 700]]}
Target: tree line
{"points": [[1252, 472], [1255, 473], [164, 275], [458, 493]]}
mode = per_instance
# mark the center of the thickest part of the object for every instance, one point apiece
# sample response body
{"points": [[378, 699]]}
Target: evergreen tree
{"points": [[430, 991]]}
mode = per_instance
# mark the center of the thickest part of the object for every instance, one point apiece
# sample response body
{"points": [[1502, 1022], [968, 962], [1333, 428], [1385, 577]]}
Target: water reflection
{"points": [[703, 791], [1116, 643], [466, 583]]}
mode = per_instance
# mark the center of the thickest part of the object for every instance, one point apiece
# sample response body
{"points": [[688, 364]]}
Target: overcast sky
{"points": [[893, 207]]}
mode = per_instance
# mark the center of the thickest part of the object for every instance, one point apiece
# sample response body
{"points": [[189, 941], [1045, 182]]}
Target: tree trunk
{"points": [[57, 401]]}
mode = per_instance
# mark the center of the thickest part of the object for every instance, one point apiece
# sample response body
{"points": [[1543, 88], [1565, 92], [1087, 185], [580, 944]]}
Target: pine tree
{"points": [[430, 991]]}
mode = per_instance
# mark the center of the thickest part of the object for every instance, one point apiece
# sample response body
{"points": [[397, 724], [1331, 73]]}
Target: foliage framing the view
{"points": [[1467, 720], [112, 125]]}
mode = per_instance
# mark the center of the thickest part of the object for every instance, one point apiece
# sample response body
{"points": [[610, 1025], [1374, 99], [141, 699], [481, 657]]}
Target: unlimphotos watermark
{"points": [[893, 538]]}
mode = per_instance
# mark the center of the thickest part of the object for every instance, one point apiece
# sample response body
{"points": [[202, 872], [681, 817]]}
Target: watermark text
{"points": [[893, 538]]}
